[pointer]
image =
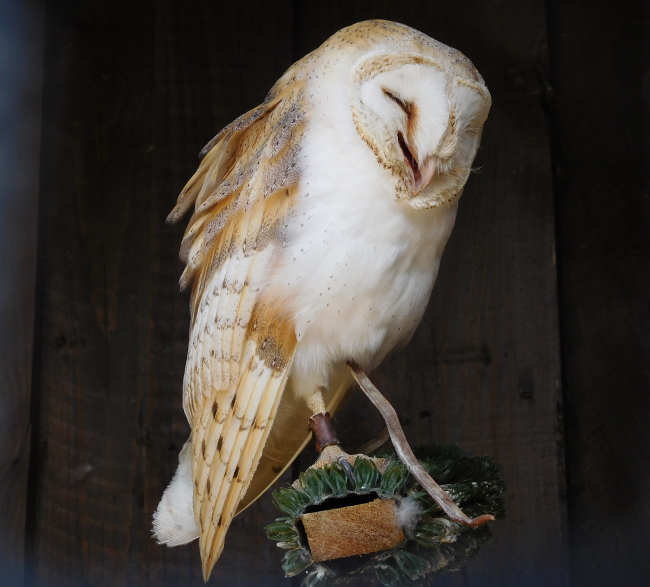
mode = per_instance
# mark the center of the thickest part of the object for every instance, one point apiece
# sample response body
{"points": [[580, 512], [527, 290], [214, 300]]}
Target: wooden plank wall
{"points": [[134, 89], [21, 60], [601, 65]]}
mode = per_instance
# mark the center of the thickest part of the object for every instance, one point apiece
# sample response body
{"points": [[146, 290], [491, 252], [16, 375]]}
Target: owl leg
{"points": [[327, 443]]}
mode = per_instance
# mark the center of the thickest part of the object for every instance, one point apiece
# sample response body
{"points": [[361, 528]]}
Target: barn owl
{"points": [[319, 221]]}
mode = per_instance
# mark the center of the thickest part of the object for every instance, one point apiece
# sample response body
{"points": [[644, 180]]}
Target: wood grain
{"points": [[134, 91], [353, 530], [21, 69], [600, 65]]}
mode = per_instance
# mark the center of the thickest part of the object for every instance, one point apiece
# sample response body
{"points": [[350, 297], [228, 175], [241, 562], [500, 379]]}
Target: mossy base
{"points": [[433, 542]]}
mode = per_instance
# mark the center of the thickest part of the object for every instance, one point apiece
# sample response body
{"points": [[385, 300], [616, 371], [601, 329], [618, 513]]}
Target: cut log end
{"points": [[354, 530]]}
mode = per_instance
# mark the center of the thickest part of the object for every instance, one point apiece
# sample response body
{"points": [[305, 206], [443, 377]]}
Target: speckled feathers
{"points": [[319, 221]]}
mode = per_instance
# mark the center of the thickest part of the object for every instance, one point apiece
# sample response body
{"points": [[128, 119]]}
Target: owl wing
{"points": [[288, 437], [240, 349]]}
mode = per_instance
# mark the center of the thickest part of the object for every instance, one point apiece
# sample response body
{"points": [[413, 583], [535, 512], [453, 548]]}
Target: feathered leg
{"points": [[327, 443]]}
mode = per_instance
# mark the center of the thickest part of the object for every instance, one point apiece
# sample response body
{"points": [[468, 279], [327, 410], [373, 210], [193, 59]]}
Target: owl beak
{"points": [[423, 175]]}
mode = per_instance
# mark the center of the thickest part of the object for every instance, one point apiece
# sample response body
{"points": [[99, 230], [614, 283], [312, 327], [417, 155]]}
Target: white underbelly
{"points": [[357, 280]]}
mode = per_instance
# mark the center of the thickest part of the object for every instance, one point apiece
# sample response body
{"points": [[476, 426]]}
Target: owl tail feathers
{"points": [[173, 521]]}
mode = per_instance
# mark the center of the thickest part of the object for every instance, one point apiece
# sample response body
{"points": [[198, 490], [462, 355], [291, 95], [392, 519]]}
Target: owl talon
{"points": [[347, 467], [327, 445]]}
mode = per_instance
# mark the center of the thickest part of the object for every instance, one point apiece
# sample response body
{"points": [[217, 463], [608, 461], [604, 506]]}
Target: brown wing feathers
{"points": [[250, 418], [240, 351]]}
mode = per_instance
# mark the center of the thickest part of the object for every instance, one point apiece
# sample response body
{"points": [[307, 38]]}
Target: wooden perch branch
{"points": [[406, 455]]}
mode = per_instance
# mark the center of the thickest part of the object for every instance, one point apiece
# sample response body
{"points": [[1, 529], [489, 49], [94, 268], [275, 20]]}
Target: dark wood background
{"points": [[535, 348]]}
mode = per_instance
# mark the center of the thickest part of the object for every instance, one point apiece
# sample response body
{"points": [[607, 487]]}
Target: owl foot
{"points": [[406, 455], [327, 444]]}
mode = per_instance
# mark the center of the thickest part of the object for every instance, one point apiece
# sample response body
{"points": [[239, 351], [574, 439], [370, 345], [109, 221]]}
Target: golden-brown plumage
{"points": [[265, 315], [240, 350]]}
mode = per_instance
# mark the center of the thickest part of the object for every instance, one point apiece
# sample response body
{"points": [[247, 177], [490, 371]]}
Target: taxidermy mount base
{"points": [[388, 511]]}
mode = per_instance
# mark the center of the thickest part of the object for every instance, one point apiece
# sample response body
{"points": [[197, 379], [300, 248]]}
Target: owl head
{"points": [[421, 112]]}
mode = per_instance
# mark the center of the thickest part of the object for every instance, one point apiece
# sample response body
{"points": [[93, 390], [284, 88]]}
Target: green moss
{"points": [[435, 544]]}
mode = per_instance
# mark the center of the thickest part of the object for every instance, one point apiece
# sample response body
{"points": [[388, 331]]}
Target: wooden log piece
{"points": [[353, 530]]}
